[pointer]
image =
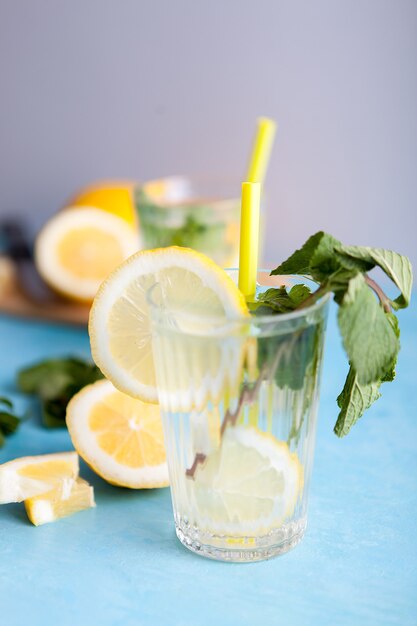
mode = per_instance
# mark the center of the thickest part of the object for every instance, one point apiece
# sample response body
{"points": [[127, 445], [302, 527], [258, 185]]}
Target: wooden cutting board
{"points": [[15, 300]]}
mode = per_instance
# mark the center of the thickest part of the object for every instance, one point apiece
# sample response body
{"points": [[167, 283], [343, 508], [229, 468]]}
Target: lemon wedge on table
{"points": [[250, 484], [68, 497], [120, 437], [31, 476], [113, 196], [77, 249], [120, 329]]}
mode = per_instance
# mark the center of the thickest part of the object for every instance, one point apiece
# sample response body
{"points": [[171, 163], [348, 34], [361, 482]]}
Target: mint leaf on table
{"points": [[369, 328], [55, 382], [9, 422]]}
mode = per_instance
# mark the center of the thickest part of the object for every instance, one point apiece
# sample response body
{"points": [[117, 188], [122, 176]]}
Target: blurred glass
{"points": [[195, 213]]}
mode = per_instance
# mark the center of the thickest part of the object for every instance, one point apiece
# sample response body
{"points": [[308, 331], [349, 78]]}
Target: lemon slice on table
{"points": [[251, 482], [114, 196], [30, 476], [120, 329], [79, 247], [68, 497], [120, 437]]}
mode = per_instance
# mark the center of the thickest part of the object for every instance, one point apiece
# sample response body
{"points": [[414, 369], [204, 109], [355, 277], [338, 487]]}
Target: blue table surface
{"points": [[122, 564]]}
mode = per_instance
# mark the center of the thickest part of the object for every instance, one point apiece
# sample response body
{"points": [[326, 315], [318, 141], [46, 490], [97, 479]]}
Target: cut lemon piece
{"points": [[114, 196], [33, 475], [120, 330], [78, 248], [249, 485], [119, 437], [68, 497]]}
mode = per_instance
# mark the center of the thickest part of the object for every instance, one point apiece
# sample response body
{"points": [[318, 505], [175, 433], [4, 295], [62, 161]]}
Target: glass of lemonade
{"points": [[195, 213], [239, 402]]}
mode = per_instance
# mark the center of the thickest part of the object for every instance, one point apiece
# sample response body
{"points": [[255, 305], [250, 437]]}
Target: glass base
{"points": [[247, 549]]}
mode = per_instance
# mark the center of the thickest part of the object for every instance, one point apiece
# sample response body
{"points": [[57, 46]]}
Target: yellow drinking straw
{"points": [[249, 217], [249, 238], [261, 150]]}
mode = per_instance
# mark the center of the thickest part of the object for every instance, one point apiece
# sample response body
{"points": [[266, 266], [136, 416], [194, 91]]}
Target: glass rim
{"points": [[243, 320]]}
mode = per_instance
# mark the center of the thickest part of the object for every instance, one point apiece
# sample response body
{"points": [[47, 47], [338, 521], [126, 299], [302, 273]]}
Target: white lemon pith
{"points": [[27, 477], [119, 327], [78, 248], [120, 437], [249, 485], [68, 497]]}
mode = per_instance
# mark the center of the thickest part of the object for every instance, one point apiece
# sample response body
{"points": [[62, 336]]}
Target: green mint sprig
{"points": [[9, 422], [54, 382], [368, 325]]}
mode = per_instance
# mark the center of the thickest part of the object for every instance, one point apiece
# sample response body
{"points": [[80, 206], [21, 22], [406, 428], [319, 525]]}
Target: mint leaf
{"points": [[353, 401], [317, 258], [54, 382], [396, 267], [282, 301], [277, 299], [369, 329], [390, 374], [292, 368], [9, 422], [298, 293], [6, 402], [300, 261], [368, 336], [325, 262]]}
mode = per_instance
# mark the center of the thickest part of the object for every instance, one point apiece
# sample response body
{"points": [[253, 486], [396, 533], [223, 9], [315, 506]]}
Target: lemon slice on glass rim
{"points": [[120, 326]]}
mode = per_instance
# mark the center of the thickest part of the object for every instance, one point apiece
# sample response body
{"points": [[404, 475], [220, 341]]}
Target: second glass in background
{"points": [[195, 213]]}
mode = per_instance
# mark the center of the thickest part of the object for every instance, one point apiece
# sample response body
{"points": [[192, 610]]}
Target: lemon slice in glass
{"points": [[251, 482]]}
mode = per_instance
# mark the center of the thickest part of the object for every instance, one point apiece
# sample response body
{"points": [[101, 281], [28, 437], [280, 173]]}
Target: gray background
{"points": [[130, 88]]}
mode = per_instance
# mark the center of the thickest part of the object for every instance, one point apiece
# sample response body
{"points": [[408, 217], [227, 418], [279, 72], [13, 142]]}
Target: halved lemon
{"points": [[120, 329], [120, 437], [249, 485], [114, 196], [68, 497], [78, 248], [30, 476]]}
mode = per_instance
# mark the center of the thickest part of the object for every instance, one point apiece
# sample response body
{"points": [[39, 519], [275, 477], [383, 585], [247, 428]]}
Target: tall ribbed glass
{"points": [[239, 402]]}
